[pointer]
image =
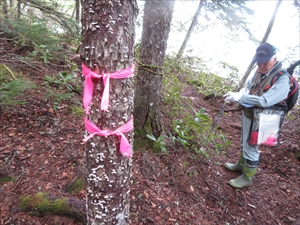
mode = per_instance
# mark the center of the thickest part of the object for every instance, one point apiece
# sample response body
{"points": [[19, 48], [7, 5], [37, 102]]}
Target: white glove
{"points": [[233, 96], [244, 90]]}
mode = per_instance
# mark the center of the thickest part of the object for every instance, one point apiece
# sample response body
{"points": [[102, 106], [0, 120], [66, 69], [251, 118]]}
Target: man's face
{"points": [[263, 68]]}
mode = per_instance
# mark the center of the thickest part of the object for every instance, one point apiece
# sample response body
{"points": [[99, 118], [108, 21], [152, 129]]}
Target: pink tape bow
{"points": [[89, 87], [125, 147]]}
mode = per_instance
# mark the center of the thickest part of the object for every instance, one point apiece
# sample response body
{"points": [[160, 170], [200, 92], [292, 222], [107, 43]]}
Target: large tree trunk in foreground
{"points": [[156, 28], [108, 46]]}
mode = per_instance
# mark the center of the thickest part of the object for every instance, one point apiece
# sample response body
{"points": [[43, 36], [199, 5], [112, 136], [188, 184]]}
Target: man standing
{"points": [[258, 93]]}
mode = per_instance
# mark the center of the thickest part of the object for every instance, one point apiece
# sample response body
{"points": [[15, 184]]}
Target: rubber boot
{"points": [[245, 179], [236, 166]]}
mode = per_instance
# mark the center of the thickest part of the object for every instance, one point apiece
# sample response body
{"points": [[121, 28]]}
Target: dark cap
{"points": [[264, 53]]}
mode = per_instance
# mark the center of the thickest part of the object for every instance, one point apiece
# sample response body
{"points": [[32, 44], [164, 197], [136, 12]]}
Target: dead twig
{"points": [[18, 179]]}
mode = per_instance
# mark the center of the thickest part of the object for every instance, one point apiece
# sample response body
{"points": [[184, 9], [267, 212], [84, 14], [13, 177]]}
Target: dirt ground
{"points": [[41, 147]]}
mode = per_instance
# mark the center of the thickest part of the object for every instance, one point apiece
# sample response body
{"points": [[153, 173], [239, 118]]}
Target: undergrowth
{"points": [[12, 85], [191, 129], [45, 45]]}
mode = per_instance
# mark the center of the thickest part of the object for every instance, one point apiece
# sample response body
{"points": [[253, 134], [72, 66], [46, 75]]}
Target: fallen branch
{"points": [[42, 203]]}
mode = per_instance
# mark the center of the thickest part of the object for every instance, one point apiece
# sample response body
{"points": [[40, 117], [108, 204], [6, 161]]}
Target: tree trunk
{"points": [[265, 38], [5, 8], [156, 28], [190, 31], [19, 9], [77, 7], [108, 29]]}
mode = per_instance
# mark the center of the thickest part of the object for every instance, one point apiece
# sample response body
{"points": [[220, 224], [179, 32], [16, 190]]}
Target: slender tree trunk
{"points": [[5, 8], [77, 8], [265, 38], [156, 28], [19, 9], [190, 31], [108, 29]]}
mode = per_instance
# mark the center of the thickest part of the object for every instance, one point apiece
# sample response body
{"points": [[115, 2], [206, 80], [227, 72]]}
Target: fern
{"points": [[12, 89]]}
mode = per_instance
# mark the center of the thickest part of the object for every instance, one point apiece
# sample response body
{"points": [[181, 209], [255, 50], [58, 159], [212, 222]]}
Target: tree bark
{"points": [[190, 31], [77, 10], [19, 9], [156, 28], [108, 29], [265, 38]]}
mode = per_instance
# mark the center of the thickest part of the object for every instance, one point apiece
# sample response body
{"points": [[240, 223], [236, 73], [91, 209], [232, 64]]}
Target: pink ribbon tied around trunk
{"points": [[89, 86], [125, 147]]}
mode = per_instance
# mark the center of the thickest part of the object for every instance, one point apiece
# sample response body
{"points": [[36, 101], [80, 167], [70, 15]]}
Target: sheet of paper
{"points": [[268, 127]]}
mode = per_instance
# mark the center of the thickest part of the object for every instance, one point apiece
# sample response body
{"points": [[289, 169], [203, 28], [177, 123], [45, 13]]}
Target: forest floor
{"points": [[41, 146]]}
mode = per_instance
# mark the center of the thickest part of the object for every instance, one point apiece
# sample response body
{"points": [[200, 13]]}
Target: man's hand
{"points": [[232, 96]]}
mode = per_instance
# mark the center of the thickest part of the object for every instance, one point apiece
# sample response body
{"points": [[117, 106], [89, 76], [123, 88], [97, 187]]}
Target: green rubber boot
{"points": [[245, 179], [236, 166]]}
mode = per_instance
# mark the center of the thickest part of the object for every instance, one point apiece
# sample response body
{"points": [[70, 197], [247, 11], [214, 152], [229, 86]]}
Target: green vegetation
{"points": [[12, 85], [42, 41], [77, 186], [64, 79], [6, 179], [40, 202], [159, 144], [77, 111], [191, 129]]}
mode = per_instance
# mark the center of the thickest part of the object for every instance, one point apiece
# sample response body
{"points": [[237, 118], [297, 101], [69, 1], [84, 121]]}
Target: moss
{"points": [[60, 205], [77, 186], [141, 142], [77, 111], [146, 129], [40, 202], [297, 155], [6, 179]]}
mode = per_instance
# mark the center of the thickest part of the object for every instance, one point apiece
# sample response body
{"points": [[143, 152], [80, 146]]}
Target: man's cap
{"points": [[264, 53]]}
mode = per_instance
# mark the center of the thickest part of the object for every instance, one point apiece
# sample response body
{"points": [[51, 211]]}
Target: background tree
{"points": [[108, 29], [190, 31], [39, 11], [5, 8], [77, 10], [265, 38], [226, 12], [19, 8], [156, 28]]}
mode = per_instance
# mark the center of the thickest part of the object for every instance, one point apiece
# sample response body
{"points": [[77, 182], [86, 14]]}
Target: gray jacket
{"points": [[275, 94]]}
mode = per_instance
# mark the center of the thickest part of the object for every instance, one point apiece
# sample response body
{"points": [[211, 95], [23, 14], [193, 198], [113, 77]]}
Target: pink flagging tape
{"points": [[89, 86], [125, 147]]}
